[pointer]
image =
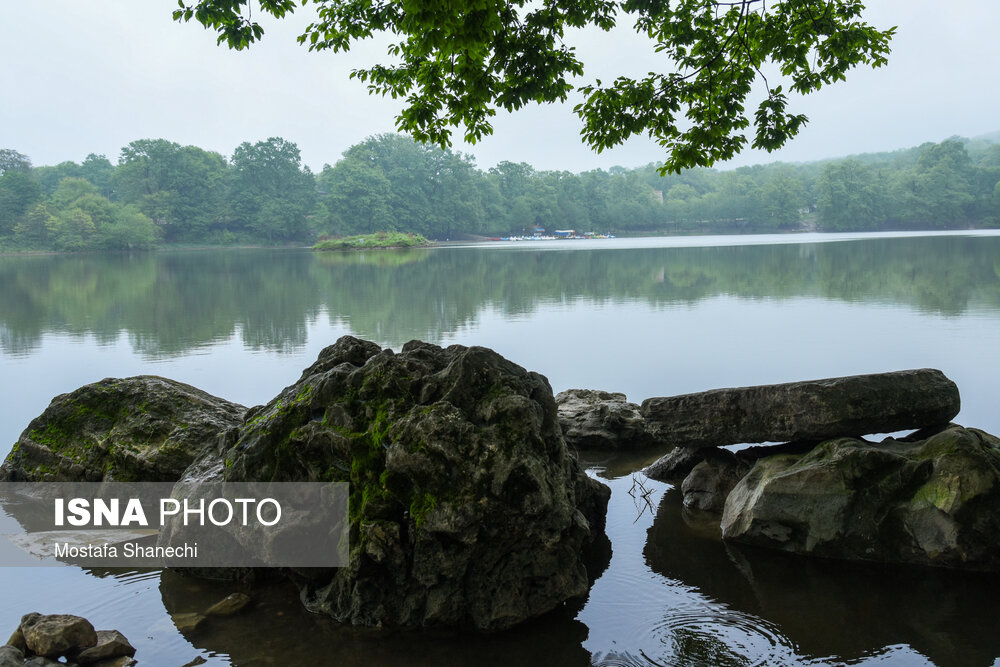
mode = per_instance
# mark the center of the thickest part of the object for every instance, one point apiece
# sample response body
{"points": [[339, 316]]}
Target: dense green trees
{"points": [[158, 192], [162, 192], [271, 194], [390, 182], [454, 64], [181, 188]]}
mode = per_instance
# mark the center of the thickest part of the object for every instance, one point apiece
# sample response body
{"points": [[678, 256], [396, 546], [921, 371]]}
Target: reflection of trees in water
{"points": [[171, 302], [829, 608]]}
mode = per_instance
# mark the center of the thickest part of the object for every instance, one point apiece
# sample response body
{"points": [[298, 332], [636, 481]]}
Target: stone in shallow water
{"points": [[709, 483], [110, 644], [229, 605], [677, 464], [930, 502], [54, 635], [467, 507], [813, 410], [120, 661], [187, 621]]}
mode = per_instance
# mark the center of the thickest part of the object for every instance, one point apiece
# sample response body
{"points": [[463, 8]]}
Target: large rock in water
{"points": [[934, 501], [592, 419], [467, 509], [144, 428], [814, 410]]}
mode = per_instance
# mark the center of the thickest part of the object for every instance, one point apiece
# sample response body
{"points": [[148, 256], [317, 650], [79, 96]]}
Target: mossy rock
{"points": [[466, 508], [143, 428]]}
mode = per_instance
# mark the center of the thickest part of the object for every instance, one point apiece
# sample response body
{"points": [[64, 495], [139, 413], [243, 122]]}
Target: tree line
{"points": [[384, 296], [161, 192]]}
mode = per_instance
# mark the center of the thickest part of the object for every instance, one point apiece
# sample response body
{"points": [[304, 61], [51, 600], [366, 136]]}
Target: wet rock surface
{"points": [[931, 501], [813, 410], [143, 428], [592, 419]]}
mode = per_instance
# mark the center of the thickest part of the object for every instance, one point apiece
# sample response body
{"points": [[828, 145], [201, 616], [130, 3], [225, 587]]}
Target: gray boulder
{"points": [[678, 463], [111, 644], [932, 501], [143, 428], [814, 410], [592, 419], [11, 656], [467, 509], [709, 483]]}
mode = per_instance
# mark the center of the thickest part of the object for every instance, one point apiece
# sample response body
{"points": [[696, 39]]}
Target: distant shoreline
{"points": [[476, 239]]}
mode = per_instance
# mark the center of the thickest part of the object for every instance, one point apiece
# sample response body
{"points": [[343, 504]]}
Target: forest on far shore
{"points": [[160, 192]]}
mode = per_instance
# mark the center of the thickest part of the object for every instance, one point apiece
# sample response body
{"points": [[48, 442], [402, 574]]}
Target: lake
{"points": [[647, 317]]}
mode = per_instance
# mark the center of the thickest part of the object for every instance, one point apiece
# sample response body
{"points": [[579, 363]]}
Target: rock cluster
{"points": [[467, 509], [928, 499], [40, 640]]}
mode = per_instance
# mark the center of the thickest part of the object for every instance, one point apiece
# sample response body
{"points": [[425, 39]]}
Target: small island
{"points": [[378, 240]]}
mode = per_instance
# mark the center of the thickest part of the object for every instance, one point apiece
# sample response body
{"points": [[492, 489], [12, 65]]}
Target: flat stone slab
{"points": [[853, 406]]}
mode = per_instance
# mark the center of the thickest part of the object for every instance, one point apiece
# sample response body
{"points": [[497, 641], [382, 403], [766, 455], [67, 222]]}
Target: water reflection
{"points": [[646, 320], [173, 302], [276, 630], [822, 608]]}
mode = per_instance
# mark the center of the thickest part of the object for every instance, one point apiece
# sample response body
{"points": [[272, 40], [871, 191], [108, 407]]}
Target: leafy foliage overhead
{"points": [[455, 63]]}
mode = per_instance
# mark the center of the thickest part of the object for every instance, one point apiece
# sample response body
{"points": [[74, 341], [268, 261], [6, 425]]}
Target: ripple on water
{"points": [[709, 635]]}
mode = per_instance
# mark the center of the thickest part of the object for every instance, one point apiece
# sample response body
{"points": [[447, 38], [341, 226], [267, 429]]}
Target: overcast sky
{"points": [[89, 76]]}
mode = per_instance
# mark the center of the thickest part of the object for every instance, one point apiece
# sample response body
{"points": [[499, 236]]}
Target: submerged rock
{"points": [[467, 509], [228, 605], [815, 410], [592, 419], [934, 501], [54, 635], [143, 428]]}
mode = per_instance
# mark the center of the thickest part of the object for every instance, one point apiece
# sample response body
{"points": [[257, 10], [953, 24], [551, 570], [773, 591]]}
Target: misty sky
{"points": [[90, 76]]}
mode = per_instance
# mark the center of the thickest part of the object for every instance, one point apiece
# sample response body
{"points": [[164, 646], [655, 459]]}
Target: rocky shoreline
{"points": [[41, 640], [468, 507]]}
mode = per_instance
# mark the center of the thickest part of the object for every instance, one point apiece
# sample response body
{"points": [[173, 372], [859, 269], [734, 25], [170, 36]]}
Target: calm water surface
{"points": [[647, 317]]}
